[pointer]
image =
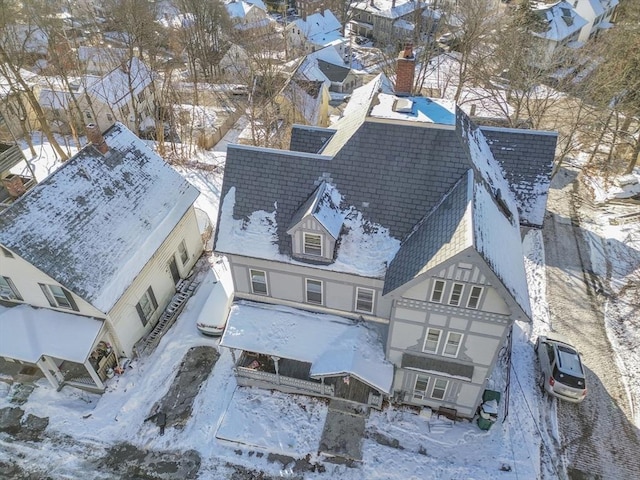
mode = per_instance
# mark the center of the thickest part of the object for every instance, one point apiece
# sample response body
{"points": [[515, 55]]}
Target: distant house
{"points": [[315, 32], [100, 60], [249, 15], [304, 102], [16, 174], [563, 30], [402, 224], [391, 21], [327, 66], [597, 13], [90, 258], [124, 94], [16, 115]]}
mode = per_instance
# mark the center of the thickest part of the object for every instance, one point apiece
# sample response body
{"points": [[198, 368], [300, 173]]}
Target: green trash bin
{"points": [[484, 423], [488, 412]]}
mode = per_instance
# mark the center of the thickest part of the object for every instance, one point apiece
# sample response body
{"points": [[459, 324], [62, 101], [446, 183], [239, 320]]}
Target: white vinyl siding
{"points": [[364, 300], [452, 345], [182, 251], [259, 282], [432, 340]]}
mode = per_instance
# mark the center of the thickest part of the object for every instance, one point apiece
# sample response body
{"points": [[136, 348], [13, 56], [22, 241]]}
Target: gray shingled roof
{"points": [[432, 364], [335, 73], [443, 233], [527, 158], [93, 224], [309, 139]]}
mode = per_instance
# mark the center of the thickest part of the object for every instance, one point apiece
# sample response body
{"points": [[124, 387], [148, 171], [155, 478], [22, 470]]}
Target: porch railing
{"points": [[303, 385]]}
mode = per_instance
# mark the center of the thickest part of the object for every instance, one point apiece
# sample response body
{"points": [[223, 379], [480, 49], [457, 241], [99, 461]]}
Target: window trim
{"points": [[433, 291], [444, 390], [426, 338], [264, 275], [304, 244], [306, 291], [182, 251], [459, 295], [52, 298], [144, 317], [424, 393], [12, 287], [446, 344], [373, 299], [477, 297]]}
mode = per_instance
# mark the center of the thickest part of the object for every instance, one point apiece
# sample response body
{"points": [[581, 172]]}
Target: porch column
{"points": [[45, 371], [92, 373], [275, 361], [233, 356]]}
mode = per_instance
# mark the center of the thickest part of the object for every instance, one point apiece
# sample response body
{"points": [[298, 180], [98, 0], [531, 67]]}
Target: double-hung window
{"points": [[8, 290], [312, 244], [439, 388], [452, 345], [313, 291], [364, 300], [258, 282], [146, 306], [420, 387], [474, 297], [438, 290], [432, 340], [456, 294], [58, 297]]}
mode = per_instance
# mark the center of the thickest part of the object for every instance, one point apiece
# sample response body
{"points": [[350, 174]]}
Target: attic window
{"points": [[313, 244], [403, 105]]}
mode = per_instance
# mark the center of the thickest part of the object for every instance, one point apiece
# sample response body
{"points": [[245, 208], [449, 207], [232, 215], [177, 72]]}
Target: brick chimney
{"points": [[405, 71], [94, 135]]}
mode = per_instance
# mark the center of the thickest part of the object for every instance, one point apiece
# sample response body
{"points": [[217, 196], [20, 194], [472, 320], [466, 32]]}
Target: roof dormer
{"points": [[315, 227]]}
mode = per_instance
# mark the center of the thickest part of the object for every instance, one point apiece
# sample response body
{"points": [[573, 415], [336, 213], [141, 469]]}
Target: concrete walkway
{"points": [[341, 440]]}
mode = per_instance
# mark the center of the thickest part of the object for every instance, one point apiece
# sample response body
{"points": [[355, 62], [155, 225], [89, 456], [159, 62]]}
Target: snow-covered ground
{"points": [[238, 425]]}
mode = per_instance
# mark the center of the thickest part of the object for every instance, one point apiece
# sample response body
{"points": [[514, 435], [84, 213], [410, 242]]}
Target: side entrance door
{"points": [[173, 268]]}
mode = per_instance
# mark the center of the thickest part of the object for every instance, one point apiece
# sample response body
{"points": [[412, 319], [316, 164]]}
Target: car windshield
{"points": [[568, 380]]}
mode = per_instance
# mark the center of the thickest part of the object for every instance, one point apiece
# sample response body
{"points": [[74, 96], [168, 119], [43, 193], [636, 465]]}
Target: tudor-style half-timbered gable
{"points": [[399, 219]]}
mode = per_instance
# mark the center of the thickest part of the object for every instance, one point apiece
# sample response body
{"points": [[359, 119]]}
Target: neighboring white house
{"points": [[315, 32], [564, 27], [328, 66], [100, 60], [90, 258], [249, 15], [597, 13], [399, 228]]}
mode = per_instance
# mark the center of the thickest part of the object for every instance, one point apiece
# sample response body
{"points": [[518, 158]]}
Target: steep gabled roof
{"points": [[335, 73], [95, 222], [116, 87], [324, 206]]}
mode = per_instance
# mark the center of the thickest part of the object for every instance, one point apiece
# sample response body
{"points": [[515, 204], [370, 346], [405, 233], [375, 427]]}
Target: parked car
{"points": [[562, 374], [218, 288]]}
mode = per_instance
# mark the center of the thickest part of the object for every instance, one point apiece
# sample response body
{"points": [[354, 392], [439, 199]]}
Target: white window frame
{"points": [[55, 294], [443, 389], [260, 273], [8, 290], [304, 244], [306, 291], [183, 253], [453, 288], [421, 394], [446, 344], [426, 339], [476, 297], [373, 298], [441, 291], [147, 305]]}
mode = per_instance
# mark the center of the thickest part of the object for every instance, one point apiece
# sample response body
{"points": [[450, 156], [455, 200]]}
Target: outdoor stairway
{"points": [[184, 290]]}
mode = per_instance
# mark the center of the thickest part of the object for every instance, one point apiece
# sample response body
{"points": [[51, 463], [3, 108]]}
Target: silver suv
{"points": [[562, 373]]}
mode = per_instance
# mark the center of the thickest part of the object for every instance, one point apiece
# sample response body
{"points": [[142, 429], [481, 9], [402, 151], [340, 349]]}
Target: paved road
{"points": [[597, 438]]}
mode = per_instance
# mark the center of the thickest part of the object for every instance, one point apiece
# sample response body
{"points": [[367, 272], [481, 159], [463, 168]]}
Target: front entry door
{"points": [[173, 267]]}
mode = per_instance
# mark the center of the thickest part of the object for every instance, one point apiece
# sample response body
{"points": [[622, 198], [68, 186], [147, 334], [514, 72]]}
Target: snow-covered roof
{"points": [[324, 206], [28, 333], [95, 223], [563, 20], [389, 8], [317, 25], [118, 86], [415, 109], [101, 54], [332, 345], [8, 82]]}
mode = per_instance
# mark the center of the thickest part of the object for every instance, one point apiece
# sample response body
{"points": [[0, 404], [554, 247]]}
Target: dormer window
{"points": [[312, 244]]}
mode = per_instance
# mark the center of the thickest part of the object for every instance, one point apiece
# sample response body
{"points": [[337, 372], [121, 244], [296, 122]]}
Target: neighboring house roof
{"points": [[8, 82], [562, 19], [28, 333], [335, 73], [389, 8], [318, 25], [116, 87], [106, 57], [95, 223], [306, 97], [332, 345]]}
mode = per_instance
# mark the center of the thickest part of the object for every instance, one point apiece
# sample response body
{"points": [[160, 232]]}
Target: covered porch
{"points": [[66, 348], [295, 351]]}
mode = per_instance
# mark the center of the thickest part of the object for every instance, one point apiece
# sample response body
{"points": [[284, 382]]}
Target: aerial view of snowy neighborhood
{"points": [[320, 239]]}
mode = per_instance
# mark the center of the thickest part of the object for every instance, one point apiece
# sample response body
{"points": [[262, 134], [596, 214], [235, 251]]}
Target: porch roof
{"points": [[333, 345], [28, 333]]}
